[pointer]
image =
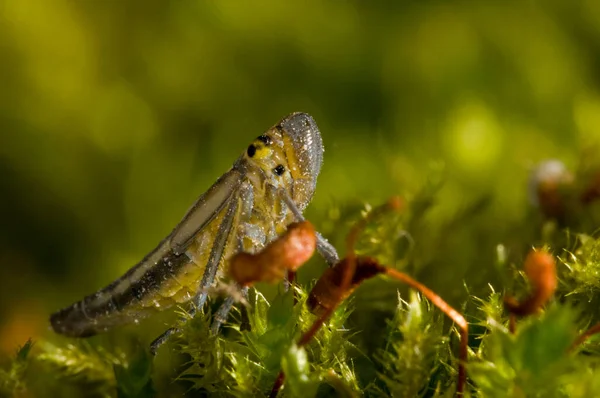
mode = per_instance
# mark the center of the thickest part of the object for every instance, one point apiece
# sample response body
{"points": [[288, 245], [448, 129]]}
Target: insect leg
{"points": [[223, 311], [216, 253], [246, 230], [325, 249], [160, 340]]}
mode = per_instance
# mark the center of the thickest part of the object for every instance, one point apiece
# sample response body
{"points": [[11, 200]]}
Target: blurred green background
{"points": [[116, 115]]}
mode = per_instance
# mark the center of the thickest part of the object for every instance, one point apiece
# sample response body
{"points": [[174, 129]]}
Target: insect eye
{"points": [[265, 139], [279, 170], [251, 150]]}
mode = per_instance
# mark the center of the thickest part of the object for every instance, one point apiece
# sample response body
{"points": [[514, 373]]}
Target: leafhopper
{"points": [[249, 206]]}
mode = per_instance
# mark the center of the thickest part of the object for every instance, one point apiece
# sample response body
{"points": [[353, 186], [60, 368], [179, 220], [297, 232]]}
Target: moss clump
{"points": [[373, 344]]}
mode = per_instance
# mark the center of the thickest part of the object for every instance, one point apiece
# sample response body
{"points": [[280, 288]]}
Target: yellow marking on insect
{"points": [[259, 149], [292, 159], [262, 152]]}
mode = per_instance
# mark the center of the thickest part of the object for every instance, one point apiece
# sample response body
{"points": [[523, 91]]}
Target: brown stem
{"points": [[394, 203], [512, 323], [540, 269], [349, 271], [451, 313], [291, 281], [277, 385], [308, 335], [584, 336]]}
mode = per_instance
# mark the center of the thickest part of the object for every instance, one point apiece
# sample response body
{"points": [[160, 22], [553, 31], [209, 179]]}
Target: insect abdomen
{"points": [[141, 291]]}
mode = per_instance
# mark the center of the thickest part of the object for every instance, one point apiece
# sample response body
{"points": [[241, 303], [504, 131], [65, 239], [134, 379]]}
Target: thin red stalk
{"points": [[451, 313], [540, 269], [312, 331], [277, 385], [393, 204], [584, 336], [512, 323], [291, 281]]}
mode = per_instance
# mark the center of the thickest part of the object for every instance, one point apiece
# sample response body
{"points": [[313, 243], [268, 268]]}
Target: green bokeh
{"points": [[115, 116]]}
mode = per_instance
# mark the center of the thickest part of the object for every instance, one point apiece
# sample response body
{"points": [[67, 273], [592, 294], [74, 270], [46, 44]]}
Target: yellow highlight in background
{"points": [[473, 139]]}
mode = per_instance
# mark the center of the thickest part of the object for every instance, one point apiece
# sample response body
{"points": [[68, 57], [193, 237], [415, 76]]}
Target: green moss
{"points": [[414, 352], [583, 267], [375, 344], [12, 378]]}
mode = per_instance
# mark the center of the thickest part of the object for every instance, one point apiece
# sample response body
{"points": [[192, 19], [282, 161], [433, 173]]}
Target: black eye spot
{"points": [[251, 150], [265, 139], [279, 170]]}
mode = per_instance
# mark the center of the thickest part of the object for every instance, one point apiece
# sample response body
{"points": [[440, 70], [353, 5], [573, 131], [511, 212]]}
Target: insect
{"points": [[266, 189]]}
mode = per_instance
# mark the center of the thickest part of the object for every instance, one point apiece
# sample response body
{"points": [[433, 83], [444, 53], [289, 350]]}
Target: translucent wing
{"points": [[167, 275], [205, 209]]}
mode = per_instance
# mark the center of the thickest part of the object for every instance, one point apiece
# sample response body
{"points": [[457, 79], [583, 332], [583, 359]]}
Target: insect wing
{"points": [[205, 209], [150, 279]]}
